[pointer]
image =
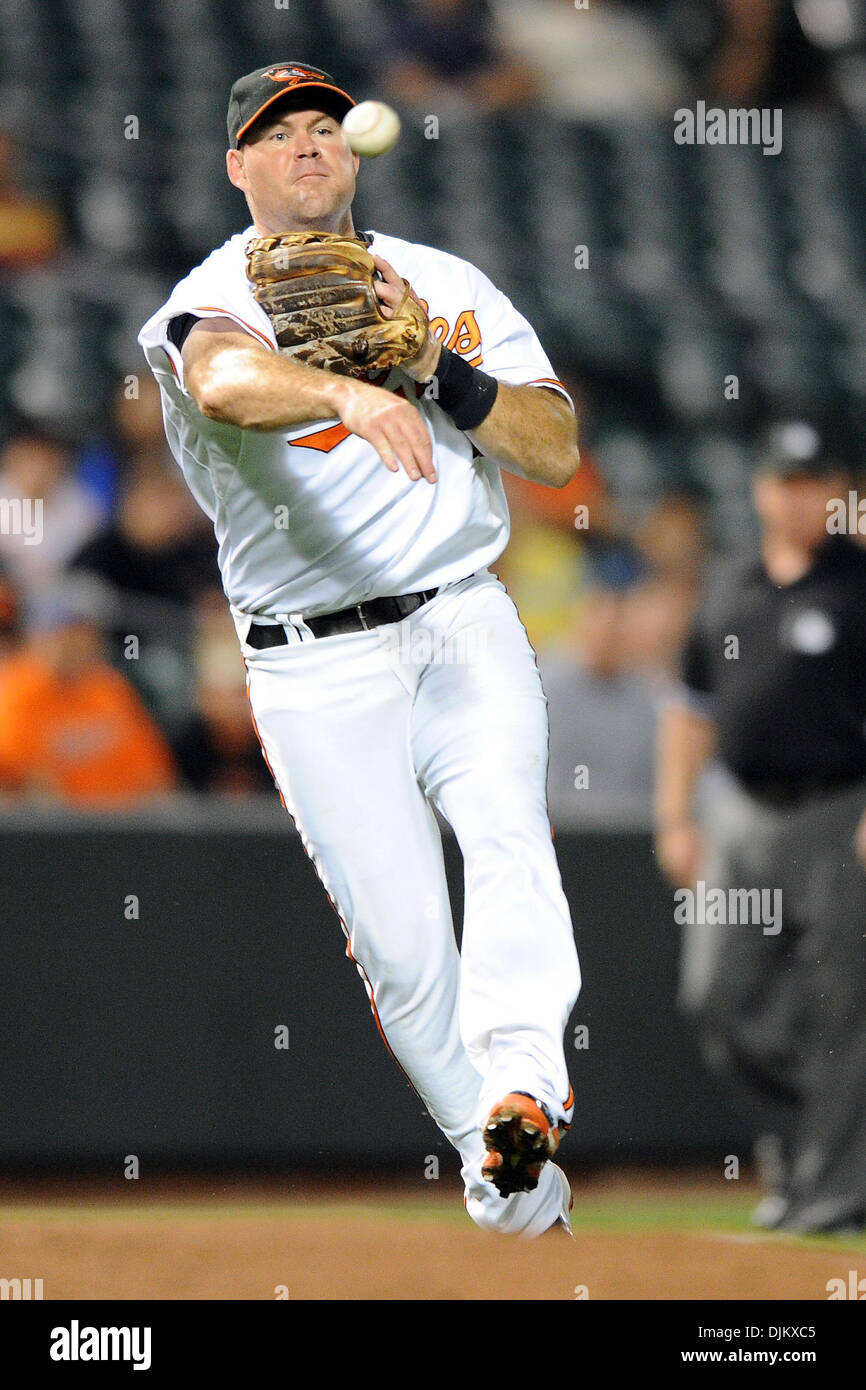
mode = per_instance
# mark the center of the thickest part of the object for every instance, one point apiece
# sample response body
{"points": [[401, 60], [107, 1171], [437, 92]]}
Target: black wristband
{"points": [[463, 392]]}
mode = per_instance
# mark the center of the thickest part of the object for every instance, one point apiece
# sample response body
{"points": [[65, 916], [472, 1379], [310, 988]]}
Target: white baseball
{"points": [[371, 128]]}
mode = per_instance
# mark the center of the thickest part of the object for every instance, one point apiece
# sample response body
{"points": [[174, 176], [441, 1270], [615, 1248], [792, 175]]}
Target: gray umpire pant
{"points": [[782, 1014]]}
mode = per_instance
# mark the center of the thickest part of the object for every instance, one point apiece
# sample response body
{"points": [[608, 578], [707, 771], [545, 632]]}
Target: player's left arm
{"points": [[530, 430]]}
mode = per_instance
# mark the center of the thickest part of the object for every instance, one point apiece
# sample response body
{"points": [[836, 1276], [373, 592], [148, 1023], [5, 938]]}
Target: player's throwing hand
{"points": [[395, 428]]}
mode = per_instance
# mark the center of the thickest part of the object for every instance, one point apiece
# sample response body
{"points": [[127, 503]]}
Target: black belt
{"points": [[359, 618]]}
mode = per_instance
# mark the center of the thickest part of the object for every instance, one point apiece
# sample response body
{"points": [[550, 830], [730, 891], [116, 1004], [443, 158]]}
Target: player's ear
{"points": [[235, 170]]}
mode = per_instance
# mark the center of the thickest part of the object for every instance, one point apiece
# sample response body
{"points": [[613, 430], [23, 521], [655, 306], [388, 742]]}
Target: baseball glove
{"points": [[317, 290]]}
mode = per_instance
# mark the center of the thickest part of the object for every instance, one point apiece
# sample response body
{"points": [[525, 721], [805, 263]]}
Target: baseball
{"points": [[371, 128]]}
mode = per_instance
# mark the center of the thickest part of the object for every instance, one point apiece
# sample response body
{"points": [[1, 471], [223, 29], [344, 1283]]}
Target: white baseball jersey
{"points": [[309, 520]]}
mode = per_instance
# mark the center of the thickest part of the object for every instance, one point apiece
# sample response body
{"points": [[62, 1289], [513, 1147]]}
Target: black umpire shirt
{"points": [[781, 670]]}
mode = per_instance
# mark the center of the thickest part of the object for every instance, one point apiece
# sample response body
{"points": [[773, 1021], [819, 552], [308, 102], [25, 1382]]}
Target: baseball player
{"points": [[388, 672]]}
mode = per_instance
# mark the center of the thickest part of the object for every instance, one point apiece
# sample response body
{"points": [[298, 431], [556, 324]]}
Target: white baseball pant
{"points": [[363, 732]]}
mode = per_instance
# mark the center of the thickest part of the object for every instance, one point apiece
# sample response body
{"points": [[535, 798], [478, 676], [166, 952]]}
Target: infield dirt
{"points": [[205, 1240]]}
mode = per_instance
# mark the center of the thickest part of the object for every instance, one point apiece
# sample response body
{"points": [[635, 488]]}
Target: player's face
{"points": [[297, 172]]}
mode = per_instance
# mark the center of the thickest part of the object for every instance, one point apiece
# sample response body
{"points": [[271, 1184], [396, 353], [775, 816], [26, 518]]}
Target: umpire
{"points": [[774, 689]]}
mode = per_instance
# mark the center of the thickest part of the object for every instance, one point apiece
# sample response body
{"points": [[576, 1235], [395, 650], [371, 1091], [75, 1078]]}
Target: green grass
{"points": [[623, 1213], [729, 1215], [290, 1210], [663, 1213]]}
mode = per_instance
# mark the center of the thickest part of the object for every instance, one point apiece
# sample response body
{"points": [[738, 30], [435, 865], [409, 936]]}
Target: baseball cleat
{"points": [[519, 1136], [770, 1212], [562, 1225]]}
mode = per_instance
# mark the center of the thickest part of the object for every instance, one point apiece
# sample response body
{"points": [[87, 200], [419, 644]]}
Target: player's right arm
{"points": [[234, 379]]}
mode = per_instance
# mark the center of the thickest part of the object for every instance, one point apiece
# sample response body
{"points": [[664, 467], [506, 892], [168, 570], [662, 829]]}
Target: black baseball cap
{"points": [[252, 95], [801, 449]]}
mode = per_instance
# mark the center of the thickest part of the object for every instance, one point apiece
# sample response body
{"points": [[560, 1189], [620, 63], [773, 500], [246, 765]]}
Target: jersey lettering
{"points": [[324, 440], [465, 338]]}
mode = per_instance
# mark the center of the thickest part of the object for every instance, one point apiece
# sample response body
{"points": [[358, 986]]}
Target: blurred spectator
{"points": [[544, 570], [605, 683], [10, 618], [135, 433], [13, 329], [774, 689], [606, 678], [753, 52], [673, 538], [449, 51], [159, 545], [31, 230], [47, 513], [563, 540], [602, 715], [659, 612], [137, 418], [602, 60], [763, 56], [155, 558], [71, 728], [218, 750]]}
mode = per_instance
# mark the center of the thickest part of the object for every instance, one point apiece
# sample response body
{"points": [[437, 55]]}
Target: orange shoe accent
{"points": [[566, 1124]]}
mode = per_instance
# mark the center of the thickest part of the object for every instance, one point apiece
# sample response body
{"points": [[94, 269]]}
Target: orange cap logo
{"points": [[291, 75]]}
